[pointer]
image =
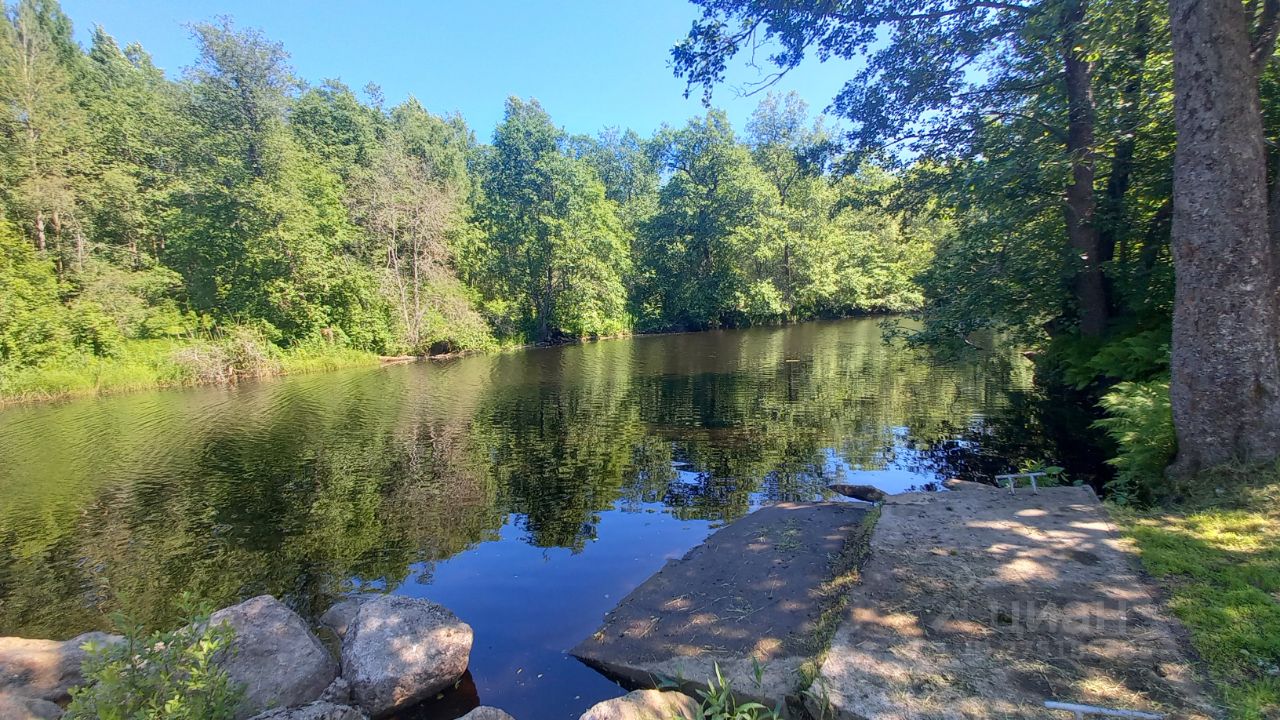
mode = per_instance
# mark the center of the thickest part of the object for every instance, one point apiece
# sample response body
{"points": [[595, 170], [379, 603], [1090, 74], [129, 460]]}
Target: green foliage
{"points": [[93, 329], [1139, 356], [553, 238], [142, 209], [717, 701], [1054, 475], [1140, 421], [150, 675], [170, 362], [32, 320]]}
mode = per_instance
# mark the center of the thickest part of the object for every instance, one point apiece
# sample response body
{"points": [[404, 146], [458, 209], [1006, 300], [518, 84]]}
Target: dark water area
{"points": [[527, 491]]}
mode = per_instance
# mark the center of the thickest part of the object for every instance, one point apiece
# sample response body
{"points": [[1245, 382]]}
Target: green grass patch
{"points": [[1216, 552], [150, 364], [311, 360]]}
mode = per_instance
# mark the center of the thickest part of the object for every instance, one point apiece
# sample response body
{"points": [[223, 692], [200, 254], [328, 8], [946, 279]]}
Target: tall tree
{"points": [[918, 89], [703, 245], [241, 82], [793, 156], [1226, 320], [135, 127], [43, 124], [408, 213], [556, 239]]}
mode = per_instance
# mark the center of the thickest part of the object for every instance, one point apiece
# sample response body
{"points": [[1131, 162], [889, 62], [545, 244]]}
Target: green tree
{"points": [[331, 123], [554, 239], [1050, 62], [262, 234], [408, 213], [43, 125], [135, 127], [32, 322], [699, 250]]}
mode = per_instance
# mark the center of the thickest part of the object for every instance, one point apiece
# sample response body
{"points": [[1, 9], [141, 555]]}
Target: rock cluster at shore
{"points": [[394, 653]]}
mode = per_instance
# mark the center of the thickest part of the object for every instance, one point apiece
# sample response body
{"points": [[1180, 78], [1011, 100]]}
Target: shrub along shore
{"points": [[153, 364]]}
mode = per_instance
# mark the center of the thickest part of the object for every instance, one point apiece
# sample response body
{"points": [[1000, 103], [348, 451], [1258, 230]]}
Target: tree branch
{"points": [[1057, 131], [938, 14]]}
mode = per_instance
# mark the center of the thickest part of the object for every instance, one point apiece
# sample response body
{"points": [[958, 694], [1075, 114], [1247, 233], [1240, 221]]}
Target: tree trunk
{"points": [[41, 243], [1090, 285], [1226, 323]]}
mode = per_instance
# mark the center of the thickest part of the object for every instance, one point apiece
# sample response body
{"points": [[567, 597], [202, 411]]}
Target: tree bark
{"points": [[39, 225], [1090, 284], [1226, 320]]}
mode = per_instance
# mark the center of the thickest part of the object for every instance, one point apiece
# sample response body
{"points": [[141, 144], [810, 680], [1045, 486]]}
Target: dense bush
{"points": [[32, 320], [152, 675]]}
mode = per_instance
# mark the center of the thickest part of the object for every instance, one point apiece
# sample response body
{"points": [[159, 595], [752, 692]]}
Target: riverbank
{"points": [[1215, 553], [155, 364]]}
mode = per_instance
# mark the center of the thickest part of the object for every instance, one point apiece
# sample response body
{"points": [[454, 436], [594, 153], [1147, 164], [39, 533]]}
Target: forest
{"points": [[1005, 168], [237, 221]]}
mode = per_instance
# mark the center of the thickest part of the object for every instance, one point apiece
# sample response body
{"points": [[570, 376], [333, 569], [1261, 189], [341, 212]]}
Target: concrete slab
{"points": [[748, 600], [982, 604]]}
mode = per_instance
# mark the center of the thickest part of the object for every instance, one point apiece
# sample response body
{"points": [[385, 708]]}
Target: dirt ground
{"points": [[982, 604], [749, 600]]}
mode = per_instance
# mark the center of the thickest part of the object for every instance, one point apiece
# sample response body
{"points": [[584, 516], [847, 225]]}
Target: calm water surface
{"points": [[528, 491]]}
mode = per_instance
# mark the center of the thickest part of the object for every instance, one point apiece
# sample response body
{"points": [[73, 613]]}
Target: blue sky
{"points": [[592, 64]]}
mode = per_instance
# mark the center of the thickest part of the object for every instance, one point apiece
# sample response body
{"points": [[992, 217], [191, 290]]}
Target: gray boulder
{"points": [[275, 656], [646, 705], [398, 651], [484, 712], [319, 710], [340, 614], [17, 707], [45, 669]]}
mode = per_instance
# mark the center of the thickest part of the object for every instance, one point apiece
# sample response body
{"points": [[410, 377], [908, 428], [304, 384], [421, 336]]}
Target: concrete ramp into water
{"points": [[971, 604], [984, 604], [749, 599]]}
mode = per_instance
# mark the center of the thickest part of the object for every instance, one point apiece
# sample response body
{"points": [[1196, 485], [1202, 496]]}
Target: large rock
{"points": [[646, 705], [45, 669], [16, 707], [398, 651], [340, 614], [484, 712], [319, 710], [276, 657]]}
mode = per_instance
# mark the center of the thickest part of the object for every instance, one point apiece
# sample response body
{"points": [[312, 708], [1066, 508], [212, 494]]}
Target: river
{"points": [[527, 491]]}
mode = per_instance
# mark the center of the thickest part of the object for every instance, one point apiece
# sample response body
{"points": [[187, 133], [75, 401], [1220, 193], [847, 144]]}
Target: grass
{"points": [[150, 364], [1216, 553], [846, 572]]}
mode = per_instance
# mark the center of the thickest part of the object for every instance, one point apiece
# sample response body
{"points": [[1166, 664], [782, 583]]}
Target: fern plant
{"points": [[1140, 421]]}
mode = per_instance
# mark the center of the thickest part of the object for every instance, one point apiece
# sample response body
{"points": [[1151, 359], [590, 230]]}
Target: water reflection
{"points": [[527, 491]]}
